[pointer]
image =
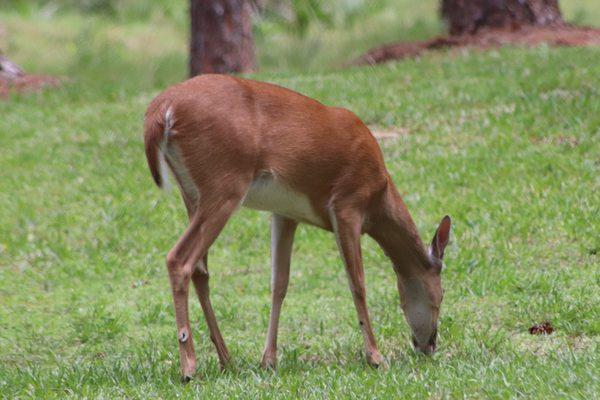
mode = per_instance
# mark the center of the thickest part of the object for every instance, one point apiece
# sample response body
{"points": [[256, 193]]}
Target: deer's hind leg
{"points": [[208, 217], [200, 278]]}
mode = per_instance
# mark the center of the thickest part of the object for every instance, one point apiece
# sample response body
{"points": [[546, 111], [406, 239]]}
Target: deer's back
{"points": [[283, 139]]}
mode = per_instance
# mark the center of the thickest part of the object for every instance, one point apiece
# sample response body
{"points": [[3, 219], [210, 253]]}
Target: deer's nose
{"points": [[427, 348]]}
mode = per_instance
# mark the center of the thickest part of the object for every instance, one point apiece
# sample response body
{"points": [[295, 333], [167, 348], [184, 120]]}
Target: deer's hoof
{"points": [[375, 360], [269, 362]]}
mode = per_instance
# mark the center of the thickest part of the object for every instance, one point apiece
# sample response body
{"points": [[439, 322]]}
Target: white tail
{"points": [[164, 171], [233, 142]]}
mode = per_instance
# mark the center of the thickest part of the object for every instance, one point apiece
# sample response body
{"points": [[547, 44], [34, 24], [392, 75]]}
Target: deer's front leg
{"points": [[282, 238], [347, 229]]}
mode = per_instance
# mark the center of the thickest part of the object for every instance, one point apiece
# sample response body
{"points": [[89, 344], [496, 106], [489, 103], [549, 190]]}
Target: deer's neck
{"points": [[396, 233]]}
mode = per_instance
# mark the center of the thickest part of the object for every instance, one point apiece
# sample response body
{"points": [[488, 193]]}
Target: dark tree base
{"points": [[563, 35], [469, 16]]}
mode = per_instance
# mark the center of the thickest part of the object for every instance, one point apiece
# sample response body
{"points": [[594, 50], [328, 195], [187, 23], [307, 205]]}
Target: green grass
{"points": [[507, 142]]}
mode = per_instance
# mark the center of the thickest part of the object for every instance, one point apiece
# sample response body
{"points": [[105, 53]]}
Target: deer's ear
{"points": [[441, 237]]}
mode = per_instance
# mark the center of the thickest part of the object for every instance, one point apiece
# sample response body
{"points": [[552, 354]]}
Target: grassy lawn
{"points": [[507, 142]]}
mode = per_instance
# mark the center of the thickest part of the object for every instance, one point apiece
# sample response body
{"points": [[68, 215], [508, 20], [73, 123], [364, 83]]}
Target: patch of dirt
{"points": [[545, 328], [140, 283], [26, 84], [310, 358], [560, 140], [560, 35]]}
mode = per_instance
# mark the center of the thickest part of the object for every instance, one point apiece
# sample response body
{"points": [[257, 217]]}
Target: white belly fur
{"points": [[268, 194]]}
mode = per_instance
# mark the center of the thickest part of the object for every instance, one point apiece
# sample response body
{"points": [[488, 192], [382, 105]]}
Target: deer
{"points": [[230, 142]]}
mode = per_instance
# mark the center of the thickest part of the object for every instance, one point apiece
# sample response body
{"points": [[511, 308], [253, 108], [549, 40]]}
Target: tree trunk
{"points": [[468, 16], [221, 36]]}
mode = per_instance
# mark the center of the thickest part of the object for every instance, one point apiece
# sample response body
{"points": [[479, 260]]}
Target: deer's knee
{"points": [[173, 261], [179, 273]]}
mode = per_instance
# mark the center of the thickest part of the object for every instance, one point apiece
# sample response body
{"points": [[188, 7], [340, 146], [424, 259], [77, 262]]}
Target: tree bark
{"points": [[221, 37], [468, 16]]}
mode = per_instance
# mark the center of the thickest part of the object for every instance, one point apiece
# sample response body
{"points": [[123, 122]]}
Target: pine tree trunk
{"points": [[468, 16], [221, 36]]}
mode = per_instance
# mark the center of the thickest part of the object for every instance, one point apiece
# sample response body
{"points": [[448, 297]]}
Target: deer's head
{"points": [[421, 293]]}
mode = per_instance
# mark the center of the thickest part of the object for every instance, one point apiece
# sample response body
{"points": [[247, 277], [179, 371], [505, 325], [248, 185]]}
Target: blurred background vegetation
{"points": [[54, 36]]}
